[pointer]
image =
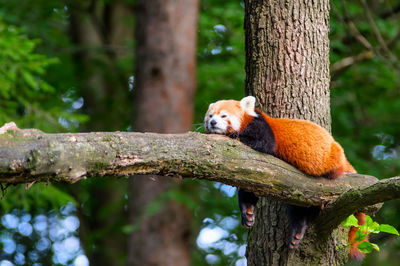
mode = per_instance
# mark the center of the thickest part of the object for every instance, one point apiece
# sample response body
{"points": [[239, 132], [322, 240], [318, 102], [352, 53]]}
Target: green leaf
{"points": [[375, 246], [360, 236], [369, 221], [129, 228], [370, 227], [29, 79], [374, 228], [388, 229], [365, 247], [351, 221]]}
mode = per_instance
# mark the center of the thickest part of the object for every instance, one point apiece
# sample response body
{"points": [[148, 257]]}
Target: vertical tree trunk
{"points": [[101, 32], [164, 88], [287, 58], [287, 70]]}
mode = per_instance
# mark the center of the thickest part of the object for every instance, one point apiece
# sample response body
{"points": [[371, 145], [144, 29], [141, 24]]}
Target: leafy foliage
{"points": [[26, 97], [369, 227], [35, 199], [29, 100], [365, 94], [220, 53], [365, 100]]}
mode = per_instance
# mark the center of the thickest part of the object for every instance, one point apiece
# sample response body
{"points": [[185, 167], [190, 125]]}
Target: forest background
{"points": [[69, 66]]}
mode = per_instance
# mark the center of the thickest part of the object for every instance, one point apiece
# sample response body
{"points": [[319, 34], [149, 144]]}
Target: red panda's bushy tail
{"points": [[355, 254], [349, 168]]}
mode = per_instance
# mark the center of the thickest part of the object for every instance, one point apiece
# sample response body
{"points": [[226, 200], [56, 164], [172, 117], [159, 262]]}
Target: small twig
{"points": [[3, 190], [356, 33], [378, 35], [394, 41], [29, 185], [351, 60], [380, 50], [390, 12]]}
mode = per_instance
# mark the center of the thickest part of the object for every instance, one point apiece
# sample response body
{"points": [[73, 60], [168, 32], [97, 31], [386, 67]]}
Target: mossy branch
{"points": [[30, 155], [356, 199]]}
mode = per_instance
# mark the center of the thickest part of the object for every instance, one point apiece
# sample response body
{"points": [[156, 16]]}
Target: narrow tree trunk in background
{"points": [[164, 88], [287, 70], [101, 32]]}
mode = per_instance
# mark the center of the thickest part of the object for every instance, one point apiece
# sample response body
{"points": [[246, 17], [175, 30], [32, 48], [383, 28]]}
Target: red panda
{"points": [[303, 144]]}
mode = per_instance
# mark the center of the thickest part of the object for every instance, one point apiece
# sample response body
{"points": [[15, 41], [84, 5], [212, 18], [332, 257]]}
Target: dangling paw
{"points": [[295, 238], [248, 216]]}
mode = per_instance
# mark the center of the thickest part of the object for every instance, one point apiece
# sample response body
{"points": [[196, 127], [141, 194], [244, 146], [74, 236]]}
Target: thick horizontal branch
{"points": [[30, 155], [336, 211]]}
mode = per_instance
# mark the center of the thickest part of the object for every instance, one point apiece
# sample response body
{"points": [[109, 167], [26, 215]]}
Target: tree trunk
{"points": [[164, 88], [101, 32], [287, 70]]}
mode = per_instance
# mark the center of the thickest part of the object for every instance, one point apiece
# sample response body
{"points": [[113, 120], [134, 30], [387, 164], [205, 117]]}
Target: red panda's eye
{"points": [[210, 116], [223, 116]]}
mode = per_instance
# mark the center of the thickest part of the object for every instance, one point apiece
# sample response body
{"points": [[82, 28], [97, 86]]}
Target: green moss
{"points": [[153, 144], [33, 159], [229, 152], [15, 135], [100, 165]]}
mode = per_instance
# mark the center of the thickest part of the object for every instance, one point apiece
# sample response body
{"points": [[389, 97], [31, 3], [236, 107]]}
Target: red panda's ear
{"points": [[248, 103]]}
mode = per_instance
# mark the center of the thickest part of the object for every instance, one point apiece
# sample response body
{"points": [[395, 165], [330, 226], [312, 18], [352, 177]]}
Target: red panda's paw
{"points": [[247, 203], [295, 238], [297, 230], [298, 217], [248, 216]]}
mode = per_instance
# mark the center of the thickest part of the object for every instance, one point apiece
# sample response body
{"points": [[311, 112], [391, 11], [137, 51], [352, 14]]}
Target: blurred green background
{"points": [[44, 75]]}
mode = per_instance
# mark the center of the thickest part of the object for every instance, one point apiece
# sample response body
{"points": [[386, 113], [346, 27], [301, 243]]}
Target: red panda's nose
{"points": [[213, 123]]}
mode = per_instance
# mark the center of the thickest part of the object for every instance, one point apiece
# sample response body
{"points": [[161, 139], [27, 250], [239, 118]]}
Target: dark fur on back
{"points": [[258, 135]]}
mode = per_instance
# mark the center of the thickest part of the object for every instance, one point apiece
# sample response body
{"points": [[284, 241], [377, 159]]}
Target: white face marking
{"points": [[218, 123], [235, 123]]}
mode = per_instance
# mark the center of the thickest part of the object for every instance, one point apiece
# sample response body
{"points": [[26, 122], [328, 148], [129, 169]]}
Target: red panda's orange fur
{"points": [[314, 151], [322, 143]]}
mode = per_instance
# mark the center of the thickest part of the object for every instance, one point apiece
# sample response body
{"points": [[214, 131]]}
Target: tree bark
{"points": [[287, 69], [165, 81], [287, 58]]}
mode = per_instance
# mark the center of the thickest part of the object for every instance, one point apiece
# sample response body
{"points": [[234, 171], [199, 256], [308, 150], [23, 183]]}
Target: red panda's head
{"points": [[227, 116]]}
